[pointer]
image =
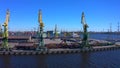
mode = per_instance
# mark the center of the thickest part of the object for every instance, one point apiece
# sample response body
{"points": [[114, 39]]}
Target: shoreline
{"points": [[60, 51]]}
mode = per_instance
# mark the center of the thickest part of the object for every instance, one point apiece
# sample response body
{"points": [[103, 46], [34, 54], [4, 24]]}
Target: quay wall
{"points": [[59, 51]]}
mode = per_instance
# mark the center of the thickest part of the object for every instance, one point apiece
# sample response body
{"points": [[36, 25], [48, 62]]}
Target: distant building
{"points": [[50, 34], [75, 35], [44, 35]]}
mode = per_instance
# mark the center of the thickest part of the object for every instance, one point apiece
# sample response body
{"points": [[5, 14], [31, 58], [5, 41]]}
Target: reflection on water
{"points": [[41, 61], [64, 61], [103, 59], [5, 62], [85, 59]]}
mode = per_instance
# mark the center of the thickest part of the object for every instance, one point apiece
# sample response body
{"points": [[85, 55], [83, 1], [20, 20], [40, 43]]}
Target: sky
{"points": [[66, 14]]}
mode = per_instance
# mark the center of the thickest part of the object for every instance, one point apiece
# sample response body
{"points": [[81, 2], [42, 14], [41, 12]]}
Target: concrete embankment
{"points": [[60, 51]]}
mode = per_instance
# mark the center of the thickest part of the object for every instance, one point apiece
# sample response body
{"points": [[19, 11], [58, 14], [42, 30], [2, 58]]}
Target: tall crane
{"points": [[85, 33], [1, 30], [55, 32], [5, 33], [41, 45]]}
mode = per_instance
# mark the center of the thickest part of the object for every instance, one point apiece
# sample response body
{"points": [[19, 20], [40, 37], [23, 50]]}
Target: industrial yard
{"points": [[51, 40]]}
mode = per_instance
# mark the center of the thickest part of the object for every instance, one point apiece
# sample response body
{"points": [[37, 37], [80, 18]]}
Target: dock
{"points": [[60, 51]]}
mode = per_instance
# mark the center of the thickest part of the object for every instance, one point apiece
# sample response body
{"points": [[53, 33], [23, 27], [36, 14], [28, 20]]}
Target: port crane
{"points": [[55, 32], [85, 32], [5, 33], [41, 45]]}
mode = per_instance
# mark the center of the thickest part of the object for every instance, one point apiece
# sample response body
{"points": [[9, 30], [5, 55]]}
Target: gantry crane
{"points": [[5, 33]]}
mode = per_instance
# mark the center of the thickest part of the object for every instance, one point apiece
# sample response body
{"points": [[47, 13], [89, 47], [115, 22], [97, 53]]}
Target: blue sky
{"points": [[65, 13]]}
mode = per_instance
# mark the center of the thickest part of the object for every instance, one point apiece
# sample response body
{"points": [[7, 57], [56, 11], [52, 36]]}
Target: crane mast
{"points": [[55, 32], [5, 33], [41, 45], [85, 33]]}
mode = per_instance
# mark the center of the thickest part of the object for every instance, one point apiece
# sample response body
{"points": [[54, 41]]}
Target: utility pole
{"points": [[34, 31], [110, 27], [118, 26]]}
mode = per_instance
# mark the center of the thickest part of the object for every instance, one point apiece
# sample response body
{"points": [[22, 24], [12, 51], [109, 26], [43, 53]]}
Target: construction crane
{"points": [[5, 33], [85, 33]]}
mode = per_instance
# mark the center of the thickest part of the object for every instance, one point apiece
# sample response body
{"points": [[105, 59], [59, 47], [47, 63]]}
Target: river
{"points": [[101, 59]]}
